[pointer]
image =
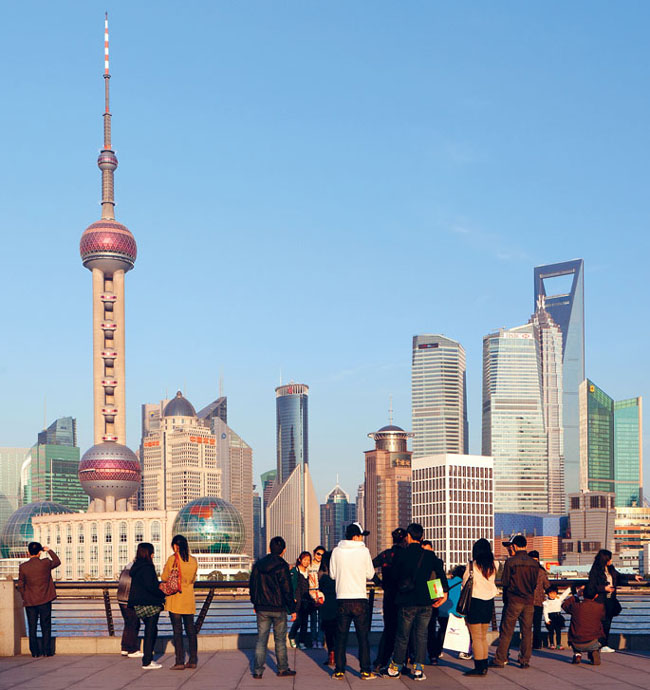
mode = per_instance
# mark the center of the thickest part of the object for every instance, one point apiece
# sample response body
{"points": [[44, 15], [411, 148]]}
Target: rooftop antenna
{"points": [[221, 385], [337, 479], [44, 412], [110, 163], [390, 410], [280, 375]]}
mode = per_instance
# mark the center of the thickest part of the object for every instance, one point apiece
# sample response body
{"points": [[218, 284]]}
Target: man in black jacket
{"points": [[413, 568], [270, 592], [519, 581]]}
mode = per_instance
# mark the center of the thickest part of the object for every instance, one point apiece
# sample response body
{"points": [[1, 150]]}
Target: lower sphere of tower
{"points": [[109, 469], [109, 246]]}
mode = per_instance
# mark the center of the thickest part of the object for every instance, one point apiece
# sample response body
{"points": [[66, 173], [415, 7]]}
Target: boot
{"points": [[484, 666], [478, 668]]}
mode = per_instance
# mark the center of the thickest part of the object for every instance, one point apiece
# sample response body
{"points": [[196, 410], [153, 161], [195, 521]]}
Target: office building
{"points": [[562, 285], [335, 515], [543, 532], [592, 518], [453, 499], [361, 504], [514, 433], [293, 512], [439, 396], [611, 456], [11, 463], [268, 480], [632, 527], [218, 409], [54, 466], [258, 527], [387, 491], [291, 428]]}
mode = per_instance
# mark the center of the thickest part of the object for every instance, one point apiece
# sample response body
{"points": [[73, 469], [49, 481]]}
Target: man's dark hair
{"points": [[399, 535], [415, 531], [277, 545], [427, 542], [534, 554], [590, 592], [458, 571], [320, 548], [34, 548]]}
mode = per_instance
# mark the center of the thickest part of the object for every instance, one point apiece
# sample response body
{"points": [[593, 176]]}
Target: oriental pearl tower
{"points": [[109, 472]]}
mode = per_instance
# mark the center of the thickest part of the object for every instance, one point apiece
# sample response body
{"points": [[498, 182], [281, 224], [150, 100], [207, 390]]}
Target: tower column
{"points": [[98, 362], [120, 393]]}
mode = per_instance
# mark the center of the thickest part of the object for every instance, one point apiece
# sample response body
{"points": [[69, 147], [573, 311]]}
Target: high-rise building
{"points": [[387, 491], [268, 480], [611, 457], [180, 460], [258, 529], [439, 396], [592, 519], [291, 428], [549, 339], [55, 464], [632, 528], [335, 515], [452, 499], [11, 463], [513, 420], [361, 504], [216, 409], [109, 471], [562, 285], [293, 513]]}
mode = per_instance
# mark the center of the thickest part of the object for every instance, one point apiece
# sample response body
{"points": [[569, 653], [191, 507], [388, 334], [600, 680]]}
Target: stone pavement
{"points": [[231, 670]]}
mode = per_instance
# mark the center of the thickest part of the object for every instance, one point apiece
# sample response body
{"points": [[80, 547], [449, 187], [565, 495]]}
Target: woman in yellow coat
{"points": [[182, 606]]}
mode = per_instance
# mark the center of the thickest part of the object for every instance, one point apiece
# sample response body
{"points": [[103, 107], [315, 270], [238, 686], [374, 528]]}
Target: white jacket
{"points": [[350, 568], [554, 605]]}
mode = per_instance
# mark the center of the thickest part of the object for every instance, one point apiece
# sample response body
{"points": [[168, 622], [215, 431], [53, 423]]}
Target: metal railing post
{"points": [[109, 614], [204, 610]]}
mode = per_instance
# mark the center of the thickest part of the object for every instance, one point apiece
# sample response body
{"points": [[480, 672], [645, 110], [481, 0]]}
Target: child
{"points": [[552, 611], [586, 627]]}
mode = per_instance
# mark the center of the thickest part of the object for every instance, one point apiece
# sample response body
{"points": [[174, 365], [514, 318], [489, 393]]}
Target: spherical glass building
{"points": [[18, 531], [211, 525]]}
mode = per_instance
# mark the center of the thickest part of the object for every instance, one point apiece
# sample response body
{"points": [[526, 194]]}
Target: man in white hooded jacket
{"points": [[351, 567]]}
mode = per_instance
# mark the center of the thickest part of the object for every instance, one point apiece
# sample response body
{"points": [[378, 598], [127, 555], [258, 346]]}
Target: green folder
{"points": [[435, 588]]}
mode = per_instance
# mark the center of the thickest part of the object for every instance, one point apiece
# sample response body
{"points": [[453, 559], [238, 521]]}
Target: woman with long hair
{"points": [[604, 579], [146, 599], [483, 568], [300, 583], [182, 605]]}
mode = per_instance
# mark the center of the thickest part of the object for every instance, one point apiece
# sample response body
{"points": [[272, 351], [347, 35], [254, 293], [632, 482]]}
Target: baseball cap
{"points": [[518, 540], [355, 530]]}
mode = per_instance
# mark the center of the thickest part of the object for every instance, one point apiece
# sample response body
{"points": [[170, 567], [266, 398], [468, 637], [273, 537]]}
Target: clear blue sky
{"points": [[310, 184]]}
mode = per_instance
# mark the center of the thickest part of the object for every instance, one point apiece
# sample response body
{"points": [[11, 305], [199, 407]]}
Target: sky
{"points": [[310, 184]]}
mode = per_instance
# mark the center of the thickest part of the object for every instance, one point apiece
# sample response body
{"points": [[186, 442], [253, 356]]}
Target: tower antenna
{"points": [[107, 158], [390, 409]]}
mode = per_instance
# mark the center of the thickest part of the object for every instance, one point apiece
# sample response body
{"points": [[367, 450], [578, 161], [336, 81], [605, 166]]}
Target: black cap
{"points": [[518, 540], [355, 530]]}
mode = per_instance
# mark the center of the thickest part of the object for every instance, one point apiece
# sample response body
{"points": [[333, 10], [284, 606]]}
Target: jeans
{"points": [[408, 617], [300, 628], [348, 610], [150, 637], [580, 647], [516, 611], [44, 612], [436, 634], [130, 641], [315, 624], [266, 619], [387, 640], [178, 621]]}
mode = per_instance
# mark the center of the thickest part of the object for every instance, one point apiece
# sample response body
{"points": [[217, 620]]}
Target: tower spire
{"points": [[107, 160]]}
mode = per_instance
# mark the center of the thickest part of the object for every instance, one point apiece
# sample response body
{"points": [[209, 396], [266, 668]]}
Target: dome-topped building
{"points": [[179, 406], [19, 531], [211, 525]]}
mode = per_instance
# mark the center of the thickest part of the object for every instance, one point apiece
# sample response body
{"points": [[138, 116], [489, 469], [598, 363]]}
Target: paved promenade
{"points": [[230, 670]]}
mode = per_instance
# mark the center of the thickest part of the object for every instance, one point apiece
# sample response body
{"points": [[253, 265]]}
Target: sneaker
{"points": [[338, 675], [419, 675], [257, 676], [464, 656], [292, 643], [136, 655], [301, 646], [607, 650], [124, 653], [150, 666], [285, 673], [577, 658], [367, 675], [391, 671]]}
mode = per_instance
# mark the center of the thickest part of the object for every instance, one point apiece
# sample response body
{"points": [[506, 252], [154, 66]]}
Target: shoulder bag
{"points": [[173, 583], [465, 598]]}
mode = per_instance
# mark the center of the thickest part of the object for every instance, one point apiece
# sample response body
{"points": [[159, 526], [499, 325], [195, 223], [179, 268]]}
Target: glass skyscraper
{"points": [[438, 396], [562, 285], [291, 428], [335, 515], [628, 453]]}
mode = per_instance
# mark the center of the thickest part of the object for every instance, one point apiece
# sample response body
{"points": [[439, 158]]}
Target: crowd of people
{"points": [[326, 591]]}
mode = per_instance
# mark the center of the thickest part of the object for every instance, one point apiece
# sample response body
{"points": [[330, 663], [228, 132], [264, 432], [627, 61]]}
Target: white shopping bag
{"points": [[457, 635]]}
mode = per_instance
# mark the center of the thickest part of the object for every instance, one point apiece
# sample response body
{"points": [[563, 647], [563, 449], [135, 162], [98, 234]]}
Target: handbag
{"points": [[457, 635], [173, 583], [465, 598]]}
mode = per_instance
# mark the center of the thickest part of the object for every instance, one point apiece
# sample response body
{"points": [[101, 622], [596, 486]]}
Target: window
{"points": [[80, 534], [155, 531], [108, 533], [68, 534], [93, 533], [139, 531], [123, 533]]}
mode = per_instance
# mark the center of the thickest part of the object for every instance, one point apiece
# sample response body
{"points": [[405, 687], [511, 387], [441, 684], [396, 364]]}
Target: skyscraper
{"points": [[109, 471], [562, 285], [11, 463], [217, 408], [513, 420], [335, 515], [387, 491], [439, 396], [291, 428], [54, 466], [611, 455]]}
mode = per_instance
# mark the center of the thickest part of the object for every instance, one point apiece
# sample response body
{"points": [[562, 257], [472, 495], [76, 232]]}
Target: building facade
{"points": [[453, 499], [335, 515], [387, 490], [628, 452], [592, 519], [632, 527], [438, 396], [292, 421], [562, 285], [11, 464]]}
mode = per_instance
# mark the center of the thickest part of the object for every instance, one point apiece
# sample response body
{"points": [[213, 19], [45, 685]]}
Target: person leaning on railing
{"points": [[182, 605]]}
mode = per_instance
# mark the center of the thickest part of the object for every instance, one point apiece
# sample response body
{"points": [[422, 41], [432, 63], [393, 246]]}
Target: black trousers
{"points": [[387, 640], [130, 641], [329, 628], [538, 640], [436, 634], [44, 613], [150, 637], [178, 621]]}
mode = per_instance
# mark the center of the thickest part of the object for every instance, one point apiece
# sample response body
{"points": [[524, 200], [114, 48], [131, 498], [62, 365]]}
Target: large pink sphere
{"points": [[109, 469], [109, 246]]}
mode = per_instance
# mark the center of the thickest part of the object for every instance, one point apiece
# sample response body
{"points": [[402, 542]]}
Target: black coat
{"points": [[270, 585], [405, 566], [598, 580], [145, 587]]}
